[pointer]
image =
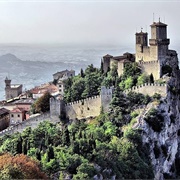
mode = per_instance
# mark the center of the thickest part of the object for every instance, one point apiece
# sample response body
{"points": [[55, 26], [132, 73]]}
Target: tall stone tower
{"points": [[158, 42], [7, 87], [142, 48]]}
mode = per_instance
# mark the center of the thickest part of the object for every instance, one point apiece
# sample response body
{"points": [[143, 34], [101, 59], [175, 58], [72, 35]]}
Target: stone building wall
{"points": [[13, 92], [142, 53], [120, 68], [151, 67]]}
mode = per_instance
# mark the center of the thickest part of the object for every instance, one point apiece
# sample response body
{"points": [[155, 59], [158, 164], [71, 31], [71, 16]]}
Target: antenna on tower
{"points": [[153, 17], [159, 19]]}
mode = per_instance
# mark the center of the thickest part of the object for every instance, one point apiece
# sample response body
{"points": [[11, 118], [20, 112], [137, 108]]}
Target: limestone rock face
{"points": [[165, 145]]}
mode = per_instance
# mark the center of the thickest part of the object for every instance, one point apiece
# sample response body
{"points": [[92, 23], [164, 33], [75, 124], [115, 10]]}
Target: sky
{"points": [[84, 21]]}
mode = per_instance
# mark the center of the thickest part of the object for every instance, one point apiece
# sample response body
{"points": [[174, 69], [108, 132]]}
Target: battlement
{"points": [[148, 62], [149, 89], [82, 100]]}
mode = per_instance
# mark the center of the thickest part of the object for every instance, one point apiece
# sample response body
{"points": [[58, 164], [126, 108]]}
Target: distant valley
{"points": [[30, 73]]}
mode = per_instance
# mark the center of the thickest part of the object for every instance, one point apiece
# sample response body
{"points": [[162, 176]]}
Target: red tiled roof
{"points": [[17, 110], [42, 89]]}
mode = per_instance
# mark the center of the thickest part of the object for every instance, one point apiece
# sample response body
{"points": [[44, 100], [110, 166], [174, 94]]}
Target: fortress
{"points": [[85, 108], [151, 59], [12, 90]]}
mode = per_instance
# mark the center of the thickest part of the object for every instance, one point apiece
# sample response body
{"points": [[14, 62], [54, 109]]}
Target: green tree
{"points": [[82, 73], [143, 78], [128, 83], [42, 104]]}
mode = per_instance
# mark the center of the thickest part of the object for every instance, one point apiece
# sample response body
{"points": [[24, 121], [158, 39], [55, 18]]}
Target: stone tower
{"points": [[141, 45], [12, 90], [7, 87], [106, 62], [158, 42]]}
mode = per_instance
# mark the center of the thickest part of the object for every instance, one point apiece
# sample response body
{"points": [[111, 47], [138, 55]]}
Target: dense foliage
{"points": [[86, 84], [89, 82], [105, 146], [83, 149], [19, 167]]}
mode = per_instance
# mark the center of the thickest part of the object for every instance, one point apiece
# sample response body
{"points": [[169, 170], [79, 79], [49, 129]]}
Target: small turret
{"points": [[7, 82]]}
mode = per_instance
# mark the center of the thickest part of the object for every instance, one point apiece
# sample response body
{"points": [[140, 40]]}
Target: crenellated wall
{"points": [[83, 108], [150, 89], [149, 67]]}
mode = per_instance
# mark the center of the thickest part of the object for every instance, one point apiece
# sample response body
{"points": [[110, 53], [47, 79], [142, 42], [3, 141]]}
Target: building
{"points": [[4, 118], [12, 90], [63, 74], [24, 103], [59, 77], [119, 61], [39, 91], [17, 115], [152, 58]]}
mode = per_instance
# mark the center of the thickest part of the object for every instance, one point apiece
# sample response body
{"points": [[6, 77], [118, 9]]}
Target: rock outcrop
{"points": [[164, 144]]}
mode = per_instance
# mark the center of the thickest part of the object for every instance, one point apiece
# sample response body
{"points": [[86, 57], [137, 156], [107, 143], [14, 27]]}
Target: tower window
{"points": [[139, 40]]}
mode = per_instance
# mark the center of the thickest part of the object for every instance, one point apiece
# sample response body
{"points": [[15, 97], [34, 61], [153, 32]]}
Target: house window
{"points": [[18, 115], [12, 115], [60, 85]]}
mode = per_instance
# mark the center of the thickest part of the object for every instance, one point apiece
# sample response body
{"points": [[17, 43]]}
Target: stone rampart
{"points": [[31, 122], [84, 108], [151, 67], [150, 89]]}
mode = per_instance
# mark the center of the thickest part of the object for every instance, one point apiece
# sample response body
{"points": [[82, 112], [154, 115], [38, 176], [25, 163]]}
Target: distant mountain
{"points": [[31, 73]]}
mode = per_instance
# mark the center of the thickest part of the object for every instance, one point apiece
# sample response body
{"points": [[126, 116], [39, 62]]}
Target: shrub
{"points": [[156, 96], [134, 114], [154, 119]]}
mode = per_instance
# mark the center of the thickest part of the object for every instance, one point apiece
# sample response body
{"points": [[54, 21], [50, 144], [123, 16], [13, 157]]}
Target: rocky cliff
{"points": [[164, 141]]}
